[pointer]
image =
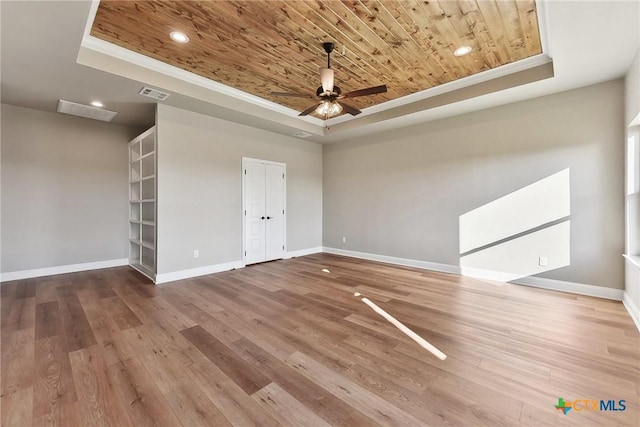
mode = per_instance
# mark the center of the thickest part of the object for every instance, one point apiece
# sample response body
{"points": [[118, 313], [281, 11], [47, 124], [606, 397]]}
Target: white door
{"points": [[275, 212], [255, 220], [264, 210]]}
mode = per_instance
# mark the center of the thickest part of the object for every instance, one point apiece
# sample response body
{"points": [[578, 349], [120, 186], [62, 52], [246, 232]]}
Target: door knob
{"points": [[269, 217], [262, 218]]}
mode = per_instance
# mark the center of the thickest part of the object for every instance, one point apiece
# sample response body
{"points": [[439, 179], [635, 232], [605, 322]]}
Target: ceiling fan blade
{"points": [[326, 77], [297, 95], [367, 91], [309, 110], [349, 109]]}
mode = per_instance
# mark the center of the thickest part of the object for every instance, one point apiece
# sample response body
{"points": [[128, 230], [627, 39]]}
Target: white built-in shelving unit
{"points": [[142, 203]]}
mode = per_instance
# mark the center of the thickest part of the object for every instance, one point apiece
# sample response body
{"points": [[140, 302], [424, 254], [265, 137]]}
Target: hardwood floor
{"points": [[285, 343]]}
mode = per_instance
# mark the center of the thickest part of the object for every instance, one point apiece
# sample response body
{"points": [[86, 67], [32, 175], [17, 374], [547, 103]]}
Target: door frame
{"points": [[284, 202]]}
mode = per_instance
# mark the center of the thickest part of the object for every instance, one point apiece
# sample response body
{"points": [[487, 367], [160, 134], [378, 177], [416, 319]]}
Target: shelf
{"points": [[143, 244], [144, 270], [149, 267], [142, 157], [136, 160], [142, 203], [135, 181], [137, 221]]}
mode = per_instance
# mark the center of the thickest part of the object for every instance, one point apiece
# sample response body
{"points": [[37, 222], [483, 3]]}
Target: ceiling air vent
{"points": [[154, 93], [87, 111], [302, 134]]}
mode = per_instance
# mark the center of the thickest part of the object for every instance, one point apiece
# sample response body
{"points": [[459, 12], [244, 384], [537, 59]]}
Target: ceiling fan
{"points": [[330, 94]]}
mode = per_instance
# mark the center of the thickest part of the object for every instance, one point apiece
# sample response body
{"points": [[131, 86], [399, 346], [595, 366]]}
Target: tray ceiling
{"points": [[264, 46]]}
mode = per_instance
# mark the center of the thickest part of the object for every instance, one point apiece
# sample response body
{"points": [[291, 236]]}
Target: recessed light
{"points": [[97, 104], [462, 51], [179, 37]]}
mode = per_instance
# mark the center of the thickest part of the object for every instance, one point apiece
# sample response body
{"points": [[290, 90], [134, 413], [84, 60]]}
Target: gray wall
{"points": [[400, 193], [199, 187], [64, 190]]}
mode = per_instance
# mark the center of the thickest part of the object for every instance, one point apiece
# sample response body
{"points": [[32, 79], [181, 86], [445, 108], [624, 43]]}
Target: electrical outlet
{"points": [[543, 261], [344, 239], [196, 253]]}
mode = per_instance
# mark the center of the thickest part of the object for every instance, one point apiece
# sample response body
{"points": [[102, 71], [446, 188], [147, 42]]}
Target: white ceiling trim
{"points": [[93, 10], [93, 52], [110, 49], [504, 70], [543, 26], [474, 79]]}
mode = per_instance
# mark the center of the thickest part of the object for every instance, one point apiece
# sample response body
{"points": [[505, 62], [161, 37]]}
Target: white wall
{"points": [[632, 109], [199, 188], [401, 193], [632, 90], [64, 190]]}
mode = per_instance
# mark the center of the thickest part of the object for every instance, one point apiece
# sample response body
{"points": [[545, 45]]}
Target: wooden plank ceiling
{"points": [[264, 46]]}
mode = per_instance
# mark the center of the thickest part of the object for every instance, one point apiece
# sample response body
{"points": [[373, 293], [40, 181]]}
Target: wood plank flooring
{"points": [[284, 343]]}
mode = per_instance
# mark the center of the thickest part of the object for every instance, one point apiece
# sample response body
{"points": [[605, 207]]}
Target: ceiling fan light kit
{"points": [[329, 94], [329, 109]]}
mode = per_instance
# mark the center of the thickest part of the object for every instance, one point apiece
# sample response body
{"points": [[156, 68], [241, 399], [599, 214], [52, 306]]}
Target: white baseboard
{"points": [[303, 252], [446, 268], [62, 269], [632, 308], [195, 272], [538, 282], [487, 274], [544, 283], [217, 268], [571, 287]]}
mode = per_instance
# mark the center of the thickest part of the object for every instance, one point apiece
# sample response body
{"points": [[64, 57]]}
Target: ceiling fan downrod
{"points": [[328, 47]]}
